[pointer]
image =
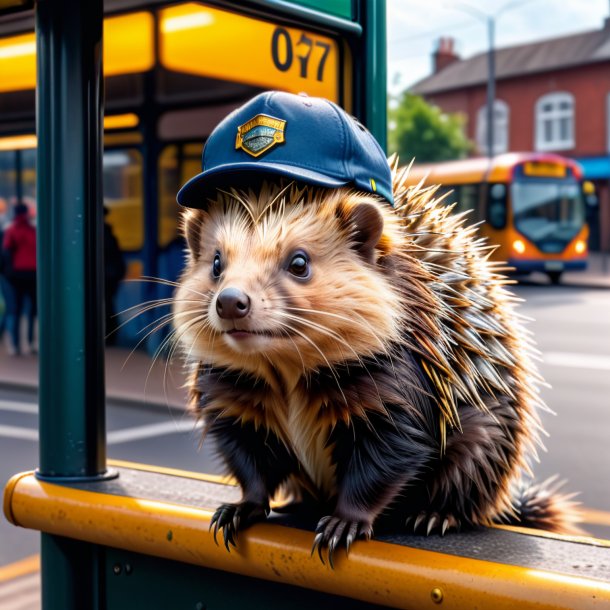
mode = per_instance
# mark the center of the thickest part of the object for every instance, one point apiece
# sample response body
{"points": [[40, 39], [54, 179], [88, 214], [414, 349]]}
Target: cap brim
{"points": [[196, 192]]}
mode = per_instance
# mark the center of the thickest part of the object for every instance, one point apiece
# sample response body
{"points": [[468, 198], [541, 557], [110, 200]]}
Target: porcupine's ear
{"points": [[366, 224], [191, 229]]}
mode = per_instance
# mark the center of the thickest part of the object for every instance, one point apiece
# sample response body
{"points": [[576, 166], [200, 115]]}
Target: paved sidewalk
{"points": [[129, 376]]}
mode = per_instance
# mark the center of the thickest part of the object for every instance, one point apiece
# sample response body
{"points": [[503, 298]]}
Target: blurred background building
{"points": [[551, 95]]}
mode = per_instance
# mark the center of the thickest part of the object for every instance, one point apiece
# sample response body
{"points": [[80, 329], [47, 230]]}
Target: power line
{"points": [[458, 26]]}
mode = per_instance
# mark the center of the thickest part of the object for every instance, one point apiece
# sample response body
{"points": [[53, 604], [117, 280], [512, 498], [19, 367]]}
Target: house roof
{"points": [[553, 54]]}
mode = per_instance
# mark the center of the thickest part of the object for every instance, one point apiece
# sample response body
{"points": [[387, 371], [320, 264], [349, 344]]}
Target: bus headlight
{"points": [[580, 246], [518, 246]]}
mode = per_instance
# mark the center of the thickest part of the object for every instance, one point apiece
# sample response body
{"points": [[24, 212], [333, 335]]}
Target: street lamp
{"points": [[490, 20]]}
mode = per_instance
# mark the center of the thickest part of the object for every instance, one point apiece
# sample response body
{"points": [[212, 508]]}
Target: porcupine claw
{"points": [[434, 522], [334, 532], [233, 517], [419, 520], [351, 536]]}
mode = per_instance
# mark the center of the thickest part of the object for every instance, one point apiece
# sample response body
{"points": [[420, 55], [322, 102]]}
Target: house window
{"points": [[500, 134], [555, 122]]}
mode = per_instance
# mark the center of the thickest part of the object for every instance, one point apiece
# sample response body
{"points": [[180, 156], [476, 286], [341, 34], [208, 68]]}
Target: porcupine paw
{"points": [[231, 518], [427, 523], [333, 532]]}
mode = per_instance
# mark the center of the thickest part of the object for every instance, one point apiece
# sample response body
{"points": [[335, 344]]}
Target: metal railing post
{"points": [[374, 82], [69, 116], [70, 238]]}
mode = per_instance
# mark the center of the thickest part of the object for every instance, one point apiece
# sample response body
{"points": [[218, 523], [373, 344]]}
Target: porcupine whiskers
{"points": [[352, 355], [361, 322], [324, 330], [311, 342], [172, 340]]}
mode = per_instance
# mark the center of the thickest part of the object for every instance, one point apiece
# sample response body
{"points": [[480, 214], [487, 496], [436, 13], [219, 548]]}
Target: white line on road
{"points": [[577, 361], [149, 431], [18, 407], [24, 584], [28, 601], [24, 434], [115, 437]]}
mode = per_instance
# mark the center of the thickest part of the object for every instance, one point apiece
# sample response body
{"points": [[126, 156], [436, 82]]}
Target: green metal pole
{"points": [[69, 116], [72, 574], [374, 87], [70, 238]]}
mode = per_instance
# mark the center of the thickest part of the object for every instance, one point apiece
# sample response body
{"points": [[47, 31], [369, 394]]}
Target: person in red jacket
{"points": [[19, 249]]}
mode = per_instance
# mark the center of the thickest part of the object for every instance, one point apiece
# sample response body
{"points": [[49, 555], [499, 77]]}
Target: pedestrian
{"points": [[19, 254], [114, 272]]}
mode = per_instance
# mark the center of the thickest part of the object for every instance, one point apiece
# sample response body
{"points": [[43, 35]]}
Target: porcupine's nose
{"points": [[232, 303]]}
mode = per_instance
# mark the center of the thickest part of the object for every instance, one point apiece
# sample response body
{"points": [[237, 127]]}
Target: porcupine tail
{"points": [[544, 506]]}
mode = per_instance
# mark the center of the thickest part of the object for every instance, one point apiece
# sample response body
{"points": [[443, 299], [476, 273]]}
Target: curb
{"points": [[131, 401]]}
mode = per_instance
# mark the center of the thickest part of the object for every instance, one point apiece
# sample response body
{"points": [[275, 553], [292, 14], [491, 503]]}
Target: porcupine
{"points": [[366, 357]]}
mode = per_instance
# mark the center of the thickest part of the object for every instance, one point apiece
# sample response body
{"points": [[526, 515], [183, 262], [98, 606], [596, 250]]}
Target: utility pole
{"points": [[490, 20], [491, 85]]}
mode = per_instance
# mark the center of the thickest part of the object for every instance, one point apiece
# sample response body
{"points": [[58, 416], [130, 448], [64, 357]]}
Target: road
{"points": [[572, 328], [152, 435]]}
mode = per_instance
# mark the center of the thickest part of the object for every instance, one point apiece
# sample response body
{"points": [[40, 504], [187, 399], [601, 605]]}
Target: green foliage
{"points": [[420, 130]]}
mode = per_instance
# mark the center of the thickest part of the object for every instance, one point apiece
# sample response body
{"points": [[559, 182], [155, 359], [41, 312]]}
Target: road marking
{"points": [[150, 431], [577, 361], [19, 407], [29, 601], [20, 568], [116, 437], [23, 584], [24, 434]]}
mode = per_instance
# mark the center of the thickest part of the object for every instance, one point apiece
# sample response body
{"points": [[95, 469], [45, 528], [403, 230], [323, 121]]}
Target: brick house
{"points": [[551, 95]]}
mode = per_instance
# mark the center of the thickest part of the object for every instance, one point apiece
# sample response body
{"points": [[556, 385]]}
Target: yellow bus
{"points": [[532, 207]]}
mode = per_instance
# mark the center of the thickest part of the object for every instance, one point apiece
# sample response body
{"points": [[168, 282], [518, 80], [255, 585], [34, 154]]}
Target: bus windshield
{"points": [[550, 213]]}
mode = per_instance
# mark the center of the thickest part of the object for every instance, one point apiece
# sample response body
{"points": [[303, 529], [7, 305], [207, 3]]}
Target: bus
{"points": [[531, 205], [172, 71]]}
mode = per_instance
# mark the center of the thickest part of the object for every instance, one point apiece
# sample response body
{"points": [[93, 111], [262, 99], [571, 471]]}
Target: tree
{"points": [[421, 130]]}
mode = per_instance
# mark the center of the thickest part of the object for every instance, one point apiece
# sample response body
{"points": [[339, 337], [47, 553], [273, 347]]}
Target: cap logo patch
{"points": [[259, 134]]}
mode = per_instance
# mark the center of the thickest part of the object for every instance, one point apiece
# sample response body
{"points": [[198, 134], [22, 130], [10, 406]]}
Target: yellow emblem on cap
{"points": [[259, 134]]}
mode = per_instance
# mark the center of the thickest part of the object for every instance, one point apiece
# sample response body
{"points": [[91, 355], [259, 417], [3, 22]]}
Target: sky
{"points": [[414, 26]]}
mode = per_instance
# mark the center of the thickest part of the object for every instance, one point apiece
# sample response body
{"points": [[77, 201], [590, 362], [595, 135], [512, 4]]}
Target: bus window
{"points": [[496, 206], [28, 178], [177, 163], [448, 192], [549, 213], [123, 197], [468, 199], [168, 178], [8, 176]]}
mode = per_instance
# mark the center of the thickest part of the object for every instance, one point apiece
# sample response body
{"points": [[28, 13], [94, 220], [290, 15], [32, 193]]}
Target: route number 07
{"points": [[283, 52]]}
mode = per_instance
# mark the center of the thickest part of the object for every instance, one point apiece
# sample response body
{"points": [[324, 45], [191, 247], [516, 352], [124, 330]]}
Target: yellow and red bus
{"points": [[532, 205]]}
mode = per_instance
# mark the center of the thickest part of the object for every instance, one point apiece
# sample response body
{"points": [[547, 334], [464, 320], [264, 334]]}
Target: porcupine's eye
{"points": [[216, 266], [299, 265]]}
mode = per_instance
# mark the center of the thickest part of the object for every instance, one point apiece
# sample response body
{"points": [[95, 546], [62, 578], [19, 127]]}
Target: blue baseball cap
{"points": [[308, 139]]}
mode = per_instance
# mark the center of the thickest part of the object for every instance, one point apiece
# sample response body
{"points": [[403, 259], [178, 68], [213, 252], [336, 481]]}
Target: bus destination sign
{"points": [[544, 169], [215, 43]]}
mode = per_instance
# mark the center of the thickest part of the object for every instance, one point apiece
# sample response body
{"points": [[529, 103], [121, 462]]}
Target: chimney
{"points": [[445, 54]]}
